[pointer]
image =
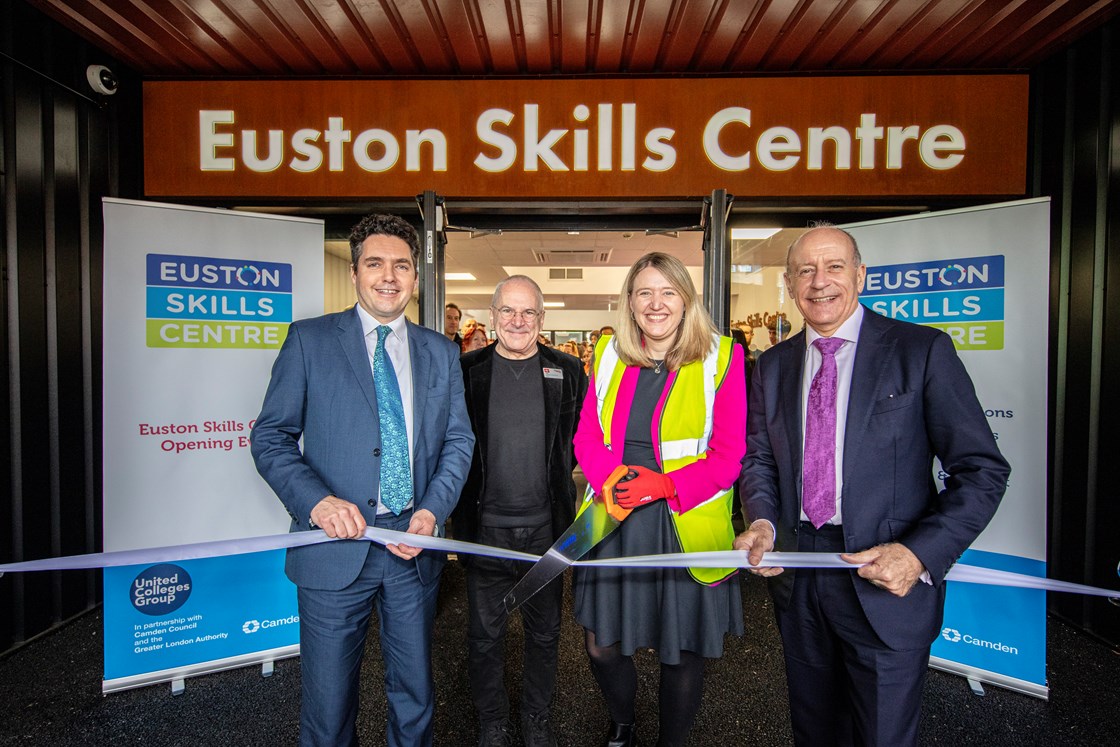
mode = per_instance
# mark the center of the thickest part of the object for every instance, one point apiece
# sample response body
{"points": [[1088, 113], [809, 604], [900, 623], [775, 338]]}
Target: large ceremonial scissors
{"points": [[589, 529]]}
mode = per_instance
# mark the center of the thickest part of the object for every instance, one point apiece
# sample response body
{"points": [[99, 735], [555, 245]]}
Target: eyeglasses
{"points": [[506, 313]]}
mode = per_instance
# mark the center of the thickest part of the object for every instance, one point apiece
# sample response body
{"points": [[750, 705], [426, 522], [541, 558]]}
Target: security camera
{"points": [[102, 80]]}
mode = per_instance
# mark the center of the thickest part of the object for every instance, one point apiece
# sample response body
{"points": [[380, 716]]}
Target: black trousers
{"points": [[846, 687], [488, 582]]}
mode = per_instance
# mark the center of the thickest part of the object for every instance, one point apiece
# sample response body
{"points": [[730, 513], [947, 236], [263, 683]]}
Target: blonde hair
{"points": [[694, 336]]}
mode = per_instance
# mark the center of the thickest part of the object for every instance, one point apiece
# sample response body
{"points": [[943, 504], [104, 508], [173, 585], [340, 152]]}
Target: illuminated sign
{"points": [[903, 135]]}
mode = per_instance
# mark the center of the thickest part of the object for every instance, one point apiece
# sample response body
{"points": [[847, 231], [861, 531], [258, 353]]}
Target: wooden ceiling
{"points": [[453, 38], [297, 38]]}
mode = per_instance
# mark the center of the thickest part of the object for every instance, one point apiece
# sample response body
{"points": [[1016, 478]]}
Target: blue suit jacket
{"points": [[322, 389], [910, 399]]}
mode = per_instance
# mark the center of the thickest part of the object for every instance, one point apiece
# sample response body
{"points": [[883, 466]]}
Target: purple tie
{"points": [[818, 479]]}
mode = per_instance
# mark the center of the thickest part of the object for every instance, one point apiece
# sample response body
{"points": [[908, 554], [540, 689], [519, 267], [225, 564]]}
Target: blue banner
{"points": [[191, 331], [981, 275], [176, 614], [996, 628]]}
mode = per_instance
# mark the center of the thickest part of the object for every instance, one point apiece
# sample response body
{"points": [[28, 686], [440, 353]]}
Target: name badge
{"points": [[553, 373]]}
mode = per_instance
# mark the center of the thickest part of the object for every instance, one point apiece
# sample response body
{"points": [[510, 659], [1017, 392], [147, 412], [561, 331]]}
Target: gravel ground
{"points": [[50, 691]]}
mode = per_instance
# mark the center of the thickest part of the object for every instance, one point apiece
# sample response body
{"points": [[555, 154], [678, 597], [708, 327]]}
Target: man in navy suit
{"points": [[857, 643], [323, 389]]}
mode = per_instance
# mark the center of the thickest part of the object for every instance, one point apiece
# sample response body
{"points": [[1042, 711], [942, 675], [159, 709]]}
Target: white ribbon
{"points": [[722, 559]]}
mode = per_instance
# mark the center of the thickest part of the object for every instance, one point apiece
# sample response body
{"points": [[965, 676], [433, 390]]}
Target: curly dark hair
{"points": [[381, 224]]}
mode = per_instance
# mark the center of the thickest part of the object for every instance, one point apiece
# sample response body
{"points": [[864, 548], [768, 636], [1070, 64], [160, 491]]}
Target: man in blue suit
{"points": [[845, 420], [323, 388]]}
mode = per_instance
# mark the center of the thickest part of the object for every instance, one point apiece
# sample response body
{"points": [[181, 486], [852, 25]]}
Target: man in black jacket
{"points": [[523, 399]]}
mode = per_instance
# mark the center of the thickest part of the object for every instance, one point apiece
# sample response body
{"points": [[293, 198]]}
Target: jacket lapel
{"points": [[354, 346], [873, 354], [421, 359], [553, 396], [478, 385], [790, 364]]}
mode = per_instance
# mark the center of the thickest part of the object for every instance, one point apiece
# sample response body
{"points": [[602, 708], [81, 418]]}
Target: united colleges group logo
{"points": [[963, 297], [209, 302]]}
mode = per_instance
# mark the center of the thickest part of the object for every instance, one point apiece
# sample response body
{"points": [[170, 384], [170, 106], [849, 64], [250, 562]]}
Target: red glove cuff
{"points": [[645, 487]]}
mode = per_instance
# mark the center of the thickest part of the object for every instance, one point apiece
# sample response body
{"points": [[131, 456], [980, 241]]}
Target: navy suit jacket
{"points": [[910, 400], [322, 390]]}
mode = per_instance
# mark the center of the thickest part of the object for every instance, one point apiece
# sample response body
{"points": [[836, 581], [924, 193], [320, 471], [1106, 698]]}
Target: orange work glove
{"points": [[646, 486]]}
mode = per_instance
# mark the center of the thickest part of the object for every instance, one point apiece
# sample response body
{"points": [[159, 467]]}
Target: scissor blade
{"points": [[588, 530], [551, 565]]}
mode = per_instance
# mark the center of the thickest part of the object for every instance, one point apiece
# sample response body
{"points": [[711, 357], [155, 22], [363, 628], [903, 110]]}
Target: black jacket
{"points": [[563, 399]]}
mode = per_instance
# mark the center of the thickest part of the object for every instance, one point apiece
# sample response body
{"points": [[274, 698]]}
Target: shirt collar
{"points": [[849, 330], [370, 325]]}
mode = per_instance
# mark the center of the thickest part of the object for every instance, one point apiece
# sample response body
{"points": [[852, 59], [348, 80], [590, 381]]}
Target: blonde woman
{"points": [[668, 400]]}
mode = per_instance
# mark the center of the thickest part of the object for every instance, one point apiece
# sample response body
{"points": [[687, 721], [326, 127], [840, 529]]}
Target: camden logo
{"points": [[952, 635], [252, 626]]}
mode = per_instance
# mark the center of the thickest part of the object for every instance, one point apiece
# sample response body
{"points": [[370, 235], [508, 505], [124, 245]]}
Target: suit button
{"points": [[372, 503], [377, 452]]}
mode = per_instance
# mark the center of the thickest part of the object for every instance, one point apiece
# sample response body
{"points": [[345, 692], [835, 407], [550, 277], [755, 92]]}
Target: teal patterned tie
{"points": [[396, 478]]}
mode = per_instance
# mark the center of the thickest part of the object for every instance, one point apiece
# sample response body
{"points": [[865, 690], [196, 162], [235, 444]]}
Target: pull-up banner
{"points": [[979, 274], [197, 302], [594, 138]]}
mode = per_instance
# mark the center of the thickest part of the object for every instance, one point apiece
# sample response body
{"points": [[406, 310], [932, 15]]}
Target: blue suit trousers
{"points": [[846, 687], [333, 627]]}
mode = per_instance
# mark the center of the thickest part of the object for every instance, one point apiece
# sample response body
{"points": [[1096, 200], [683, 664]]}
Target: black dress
{"points": [[660, 608]]}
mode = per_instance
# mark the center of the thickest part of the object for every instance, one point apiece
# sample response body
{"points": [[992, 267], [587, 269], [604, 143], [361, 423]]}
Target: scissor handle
{"points": [[615, 511]]}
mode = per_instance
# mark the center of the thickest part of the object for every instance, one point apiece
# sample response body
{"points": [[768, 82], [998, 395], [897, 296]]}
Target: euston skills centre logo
{"points": [[963, 297], [210, 302]]}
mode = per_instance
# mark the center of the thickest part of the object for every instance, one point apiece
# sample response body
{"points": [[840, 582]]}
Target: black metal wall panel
{"points": [[59, 160], [1103, 617], [1077, 155], [7, 207]]}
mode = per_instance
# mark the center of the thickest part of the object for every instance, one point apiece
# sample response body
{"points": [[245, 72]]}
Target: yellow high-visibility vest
{"points": [[684, 431]]}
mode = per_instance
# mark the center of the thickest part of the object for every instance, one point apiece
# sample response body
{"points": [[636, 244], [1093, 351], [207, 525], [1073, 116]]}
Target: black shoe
{"points": [[536, 731], [497, 733], [621, 735]]}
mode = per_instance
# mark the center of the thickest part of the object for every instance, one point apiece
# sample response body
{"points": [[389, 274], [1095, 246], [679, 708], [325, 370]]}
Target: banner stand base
{"points": [[178, 675], [972, 674]]}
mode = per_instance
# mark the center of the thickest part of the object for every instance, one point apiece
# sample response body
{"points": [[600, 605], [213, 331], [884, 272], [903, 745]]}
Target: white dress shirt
{"points": [[845, 363], [396, 347]]}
